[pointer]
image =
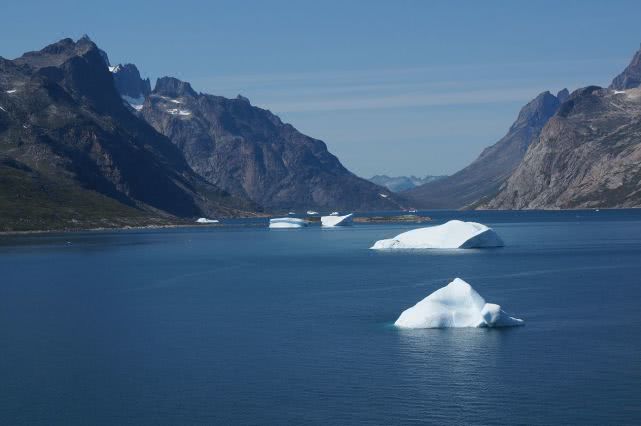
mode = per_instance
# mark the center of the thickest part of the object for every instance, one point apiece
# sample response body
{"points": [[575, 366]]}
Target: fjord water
{"points": [[245, 325]]}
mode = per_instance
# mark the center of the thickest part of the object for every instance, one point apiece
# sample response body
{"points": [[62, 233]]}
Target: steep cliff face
{"points": [[483, 177], [251, 153], [588, 155], [63, 122]]}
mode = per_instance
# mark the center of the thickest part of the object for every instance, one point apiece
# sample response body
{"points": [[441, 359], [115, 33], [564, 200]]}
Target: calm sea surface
{"points": [[243, 325]]}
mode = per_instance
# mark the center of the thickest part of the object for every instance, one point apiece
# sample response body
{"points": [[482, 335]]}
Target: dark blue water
{"points": [[249, 326]]}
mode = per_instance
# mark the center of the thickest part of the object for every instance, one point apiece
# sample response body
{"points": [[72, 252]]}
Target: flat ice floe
{"points": [[287, 222], [451, 235], [455, 305], [333, 220]]}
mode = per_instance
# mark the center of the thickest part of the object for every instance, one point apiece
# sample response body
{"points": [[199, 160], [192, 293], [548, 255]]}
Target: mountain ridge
{"points": [[62, 120], [249, 152]]}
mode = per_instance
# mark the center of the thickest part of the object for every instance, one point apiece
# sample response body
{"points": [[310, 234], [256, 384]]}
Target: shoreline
{"points": [[372, 218]]}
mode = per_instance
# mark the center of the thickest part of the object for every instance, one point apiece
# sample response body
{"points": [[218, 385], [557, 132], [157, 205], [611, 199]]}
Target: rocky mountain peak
{"points": [[129, 83], [563, 95], [173, 88], [537, 112], [58, 53], [631, 75]]}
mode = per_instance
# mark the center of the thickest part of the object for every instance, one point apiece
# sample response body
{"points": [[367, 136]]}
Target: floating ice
{"points": [[3, 109], [11, 91], [205, 220], [333, 220], [450, 235], [618, 92], [287, 222], [311, 212], [384, 195], [334, 214], [455, 305]]}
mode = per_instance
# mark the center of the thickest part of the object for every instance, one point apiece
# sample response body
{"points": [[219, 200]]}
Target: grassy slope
{"points": [[29, 201]]}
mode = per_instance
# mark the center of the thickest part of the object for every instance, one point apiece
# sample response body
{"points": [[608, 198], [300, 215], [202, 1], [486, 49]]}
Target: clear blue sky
{"points": [[403, 87]]}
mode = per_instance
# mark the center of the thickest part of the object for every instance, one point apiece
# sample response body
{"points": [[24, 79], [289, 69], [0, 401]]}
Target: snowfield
{"points": [[451, 235], [177, 111], [287, 222], [455, 305], [136, 103], [332, 220]]}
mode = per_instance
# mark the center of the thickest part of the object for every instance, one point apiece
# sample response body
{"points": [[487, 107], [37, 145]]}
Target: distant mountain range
{"points": [[73, 154], [402, 183], [566, 151]]}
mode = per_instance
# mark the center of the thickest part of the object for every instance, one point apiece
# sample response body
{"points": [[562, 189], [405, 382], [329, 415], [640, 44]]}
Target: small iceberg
{"points": [[334, 214], [311, 212], [451, 235], [455, 305], [287, 222], [333, 220], [205, 220]]}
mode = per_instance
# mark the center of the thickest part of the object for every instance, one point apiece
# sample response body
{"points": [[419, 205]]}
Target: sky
{"points": [[397, 88]]}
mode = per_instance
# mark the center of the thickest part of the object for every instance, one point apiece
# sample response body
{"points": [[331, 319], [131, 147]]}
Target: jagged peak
{"points": [[563, 95]]}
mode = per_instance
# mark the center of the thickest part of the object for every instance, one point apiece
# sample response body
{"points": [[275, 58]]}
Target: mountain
{"points": [[250, 152], [129, 83], [483, 177], [631, 75], [402, 183], [588, 155], [81, 157]]}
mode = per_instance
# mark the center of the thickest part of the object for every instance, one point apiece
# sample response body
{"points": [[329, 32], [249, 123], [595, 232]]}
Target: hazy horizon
{"points": [[411, 89]]}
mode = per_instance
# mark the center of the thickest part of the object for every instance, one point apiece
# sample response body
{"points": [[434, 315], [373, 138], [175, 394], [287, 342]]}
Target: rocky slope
{"points": [[251, 153], [402, 183], [483, 177], [63, 126], [588, 155]]}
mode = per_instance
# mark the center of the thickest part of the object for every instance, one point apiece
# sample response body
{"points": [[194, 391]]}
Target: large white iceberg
{"points": [[451, 235], [287, 222], [332, 220], [455, 305], [206, 220]]}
